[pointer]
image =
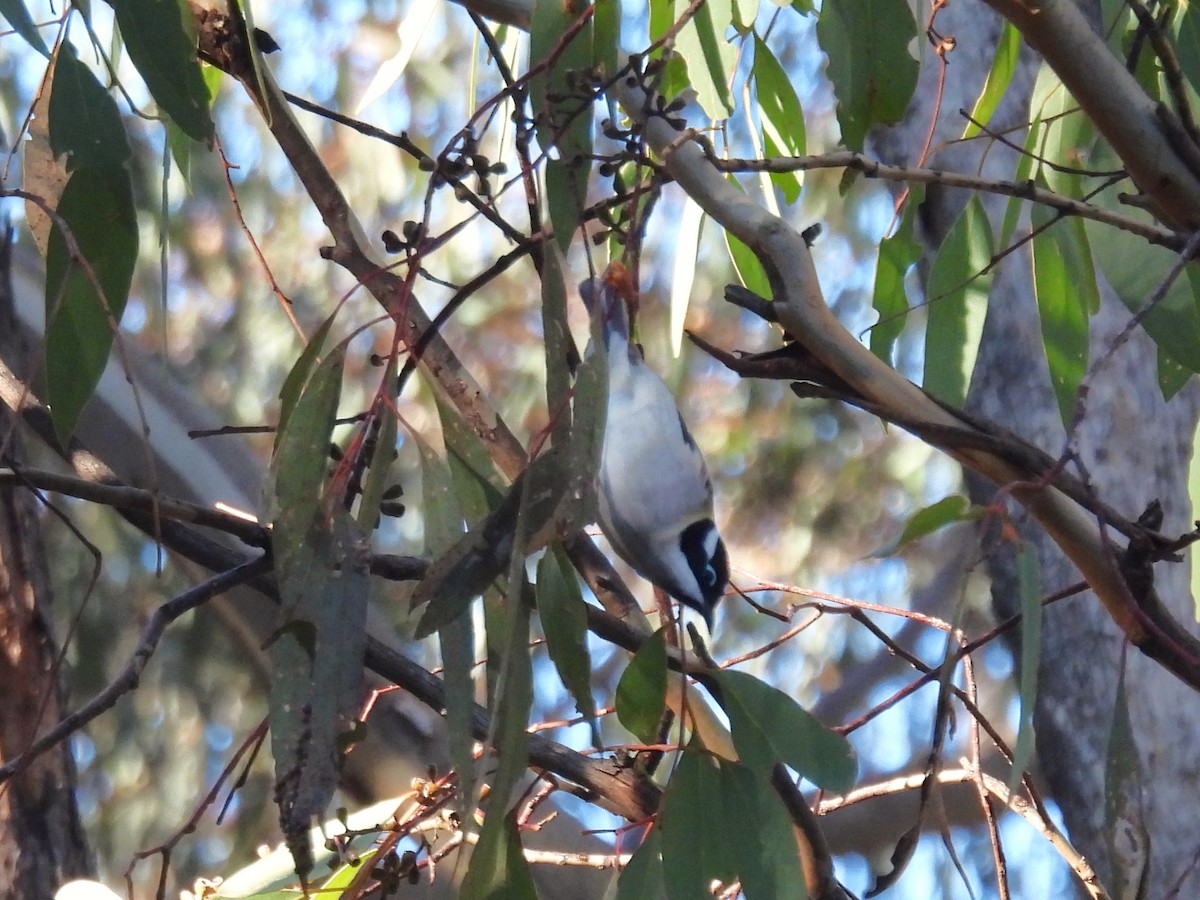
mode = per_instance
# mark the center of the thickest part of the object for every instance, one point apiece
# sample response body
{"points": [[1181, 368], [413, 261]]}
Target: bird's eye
{"points": [[710, 575]]}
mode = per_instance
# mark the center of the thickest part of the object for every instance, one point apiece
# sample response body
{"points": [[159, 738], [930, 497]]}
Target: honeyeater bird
{"points": [[654, 495]]}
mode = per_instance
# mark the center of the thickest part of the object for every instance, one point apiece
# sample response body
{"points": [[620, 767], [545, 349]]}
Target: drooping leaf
{"points": [[1125, 828], [749, 270], [958, 294], [22, 23], [321, 564], [86, 298], [442, 509], [606, 37], [897, 254], [1064, 282], [687, 244], [562, 104], [955, 508], [302, 440], [590, 414], [563, 615], [761, 834], [642, 690], [642, 877], [316, 669], [498, 870], [42, 173], [377, 481], [695, 848], [782, 116], [297, 378], [559, 346], [1187, 42], [1030, 588], [84, 120], [163, 49], [484, 553], [769, 726], [873, 73], [1062, 137], [1135, 271], [1004, 63], [709, 56]]}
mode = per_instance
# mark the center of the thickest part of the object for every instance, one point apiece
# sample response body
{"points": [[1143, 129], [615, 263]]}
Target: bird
{"points": [[654, 495]]}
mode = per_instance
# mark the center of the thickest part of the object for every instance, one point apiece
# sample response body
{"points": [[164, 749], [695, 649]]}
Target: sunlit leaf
{"points": [[872, 71], [709, 56], [955, 508], [1064, 282], [86, 298], [164, 51], [22, 23], [42, 173], [1029, 586], [781, 113], [957, 295], [642, 690], [1004, 63], [563, 614], [769, 726], [687, 244]]}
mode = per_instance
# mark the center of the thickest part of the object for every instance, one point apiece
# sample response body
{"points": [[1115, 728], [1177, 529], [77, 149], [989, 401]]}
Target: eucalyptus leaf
{"points": [[642, 690]]}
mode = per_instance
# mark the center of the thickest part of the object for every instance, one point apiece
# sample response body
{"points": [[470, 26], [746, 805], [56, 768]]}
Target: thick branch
{"points": [[1150, 141], [801, 310]]}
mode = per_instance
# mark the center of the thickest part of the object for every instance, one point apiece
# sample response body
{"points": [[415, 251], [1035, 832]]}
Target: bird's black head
{"points": [[704, 551]]}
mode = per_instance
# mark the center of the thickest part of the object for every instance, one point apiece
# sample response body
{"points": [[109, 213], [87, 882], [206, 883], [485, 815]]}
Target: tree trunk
{"points": [[1136, 449], [41, 839]]}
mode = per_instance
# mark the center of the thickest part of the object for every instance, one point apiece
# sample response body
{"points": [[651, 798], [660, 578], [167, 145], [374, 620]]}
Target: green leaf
{"points": [[642, 877], [22, 23], [1030, 588], [897, 254], [749, 270], [761, 835], [1187, 42], [695, 844], [84, 120], [606, 40], [1004, 63], [302, 447], [498, 870], [456, 639], [316, 666], [769, 726], [779, 105], [482, 555], [1064, 281], [559, 346], [958, 294], [563, 614], [379, 468], [83, 307], [1125, 829], [164, 52], [642, 690], [709, 56], [564, 111], [946, 511], [298, 377], [873, 73]]}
